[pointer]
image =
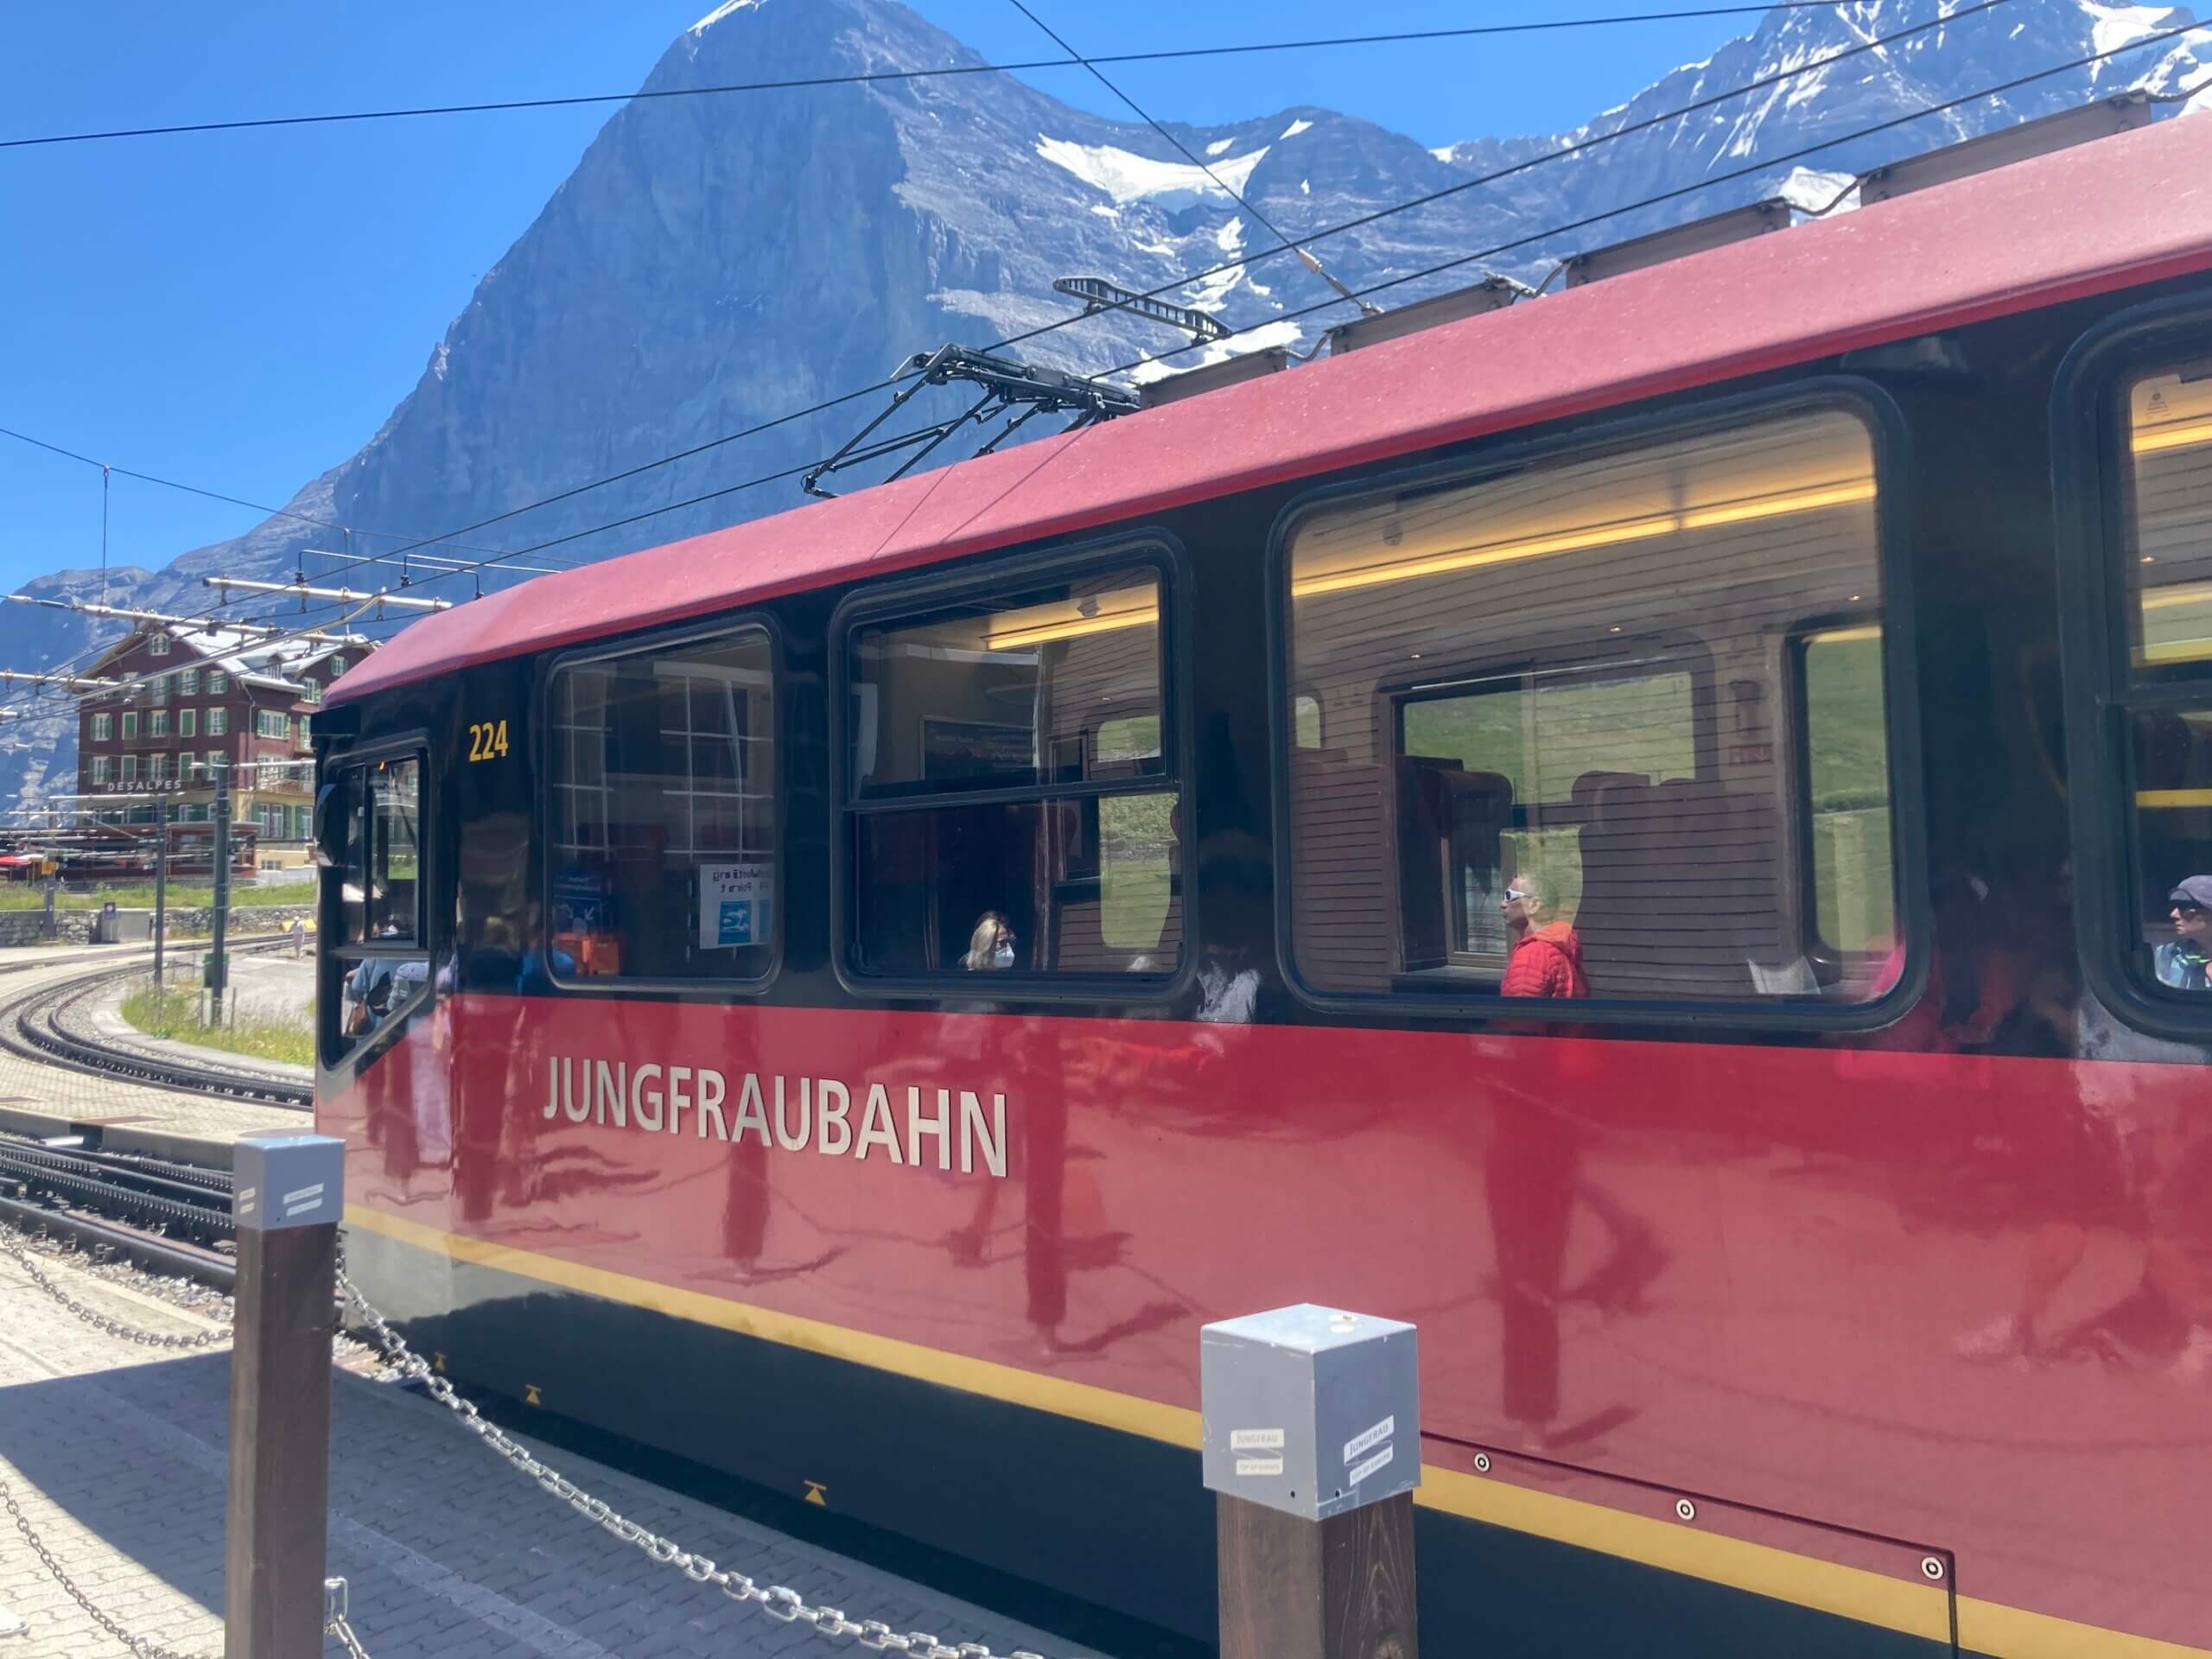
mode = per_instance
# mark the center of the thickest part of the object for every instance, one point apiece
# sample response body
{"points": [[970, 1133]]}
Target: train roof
{"points": [[2125, 210]]}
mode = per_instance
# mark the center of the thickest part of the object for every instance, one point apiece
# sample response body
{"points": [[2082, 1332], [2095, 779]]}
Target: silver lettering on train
{"points": [[789, 1113]]}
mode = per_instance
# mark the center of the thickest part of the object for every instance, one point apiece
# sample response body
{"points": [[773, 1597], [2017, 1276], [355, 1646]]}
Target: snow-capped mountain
{"points": [[714, 263]]}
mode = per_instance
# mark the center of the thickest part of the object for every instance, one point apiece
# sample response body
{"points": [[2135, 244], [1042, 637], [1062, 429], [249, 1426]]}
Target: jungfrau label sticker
{"points": [[1368, 1439], [1380, 1460], [1259, 1465], [1256, 1439]]}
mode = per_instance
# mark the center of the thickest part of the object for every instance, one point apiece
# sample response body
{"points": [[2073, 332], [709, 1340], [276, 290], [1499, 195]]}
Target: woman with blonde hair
{"points": [[991, 946]]}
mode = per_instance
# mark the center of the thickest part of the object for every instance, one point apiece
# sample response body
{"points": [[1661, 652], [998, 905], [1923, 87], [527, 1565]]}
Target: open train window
{"points": [[369, 842], [1010, 779], [1580, 741], [660, 767], [2138, 481]]}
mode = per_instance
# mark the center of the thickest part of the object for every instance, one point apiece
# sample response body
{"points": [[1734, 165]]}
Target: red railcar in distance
{"points": [[845, 998]]}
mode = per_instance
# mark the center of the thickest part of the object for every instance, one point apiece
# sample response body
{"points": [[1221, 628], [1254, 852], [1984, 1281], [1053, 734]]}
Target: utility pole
{"points": [[161, 888], [217, 969]]}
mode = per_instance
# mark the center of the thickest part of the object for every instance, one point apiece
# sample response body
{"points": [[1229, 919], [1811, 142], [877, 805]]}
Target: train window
{"points": [[372, 846], [377, 821], [1846, 809], [1013, 796], [2167, 564], [1575, 709], [662, 770]]}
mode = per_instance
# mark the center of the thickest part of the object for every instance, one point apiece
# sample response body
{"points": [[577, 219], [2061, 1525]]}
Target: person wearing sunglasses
{"points": [[1545, 957], [2182, 964]]}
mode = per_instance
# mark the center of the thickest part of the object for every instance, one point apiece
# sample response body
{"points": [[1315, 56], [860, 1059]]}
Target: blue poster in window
{"points": [[579, 900], [733, 906]]}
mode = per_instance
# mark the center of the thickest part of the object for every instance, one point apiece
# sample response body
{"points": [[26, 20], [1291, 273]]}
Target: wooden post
{"points": [[288, 1197], [1312, 1447]]}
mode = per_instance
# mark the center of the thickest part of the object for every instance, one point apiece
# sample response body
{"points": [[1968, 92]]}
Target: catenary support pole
{"points": [[1313, 1444], [161, 891], [219, 967], [289, 1196]]}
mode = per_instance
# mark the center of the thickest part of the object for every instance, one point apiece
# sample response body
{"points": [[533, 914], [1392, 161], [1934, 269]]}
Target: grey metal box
{"points": [[287, 1180], [1310, 1410]]}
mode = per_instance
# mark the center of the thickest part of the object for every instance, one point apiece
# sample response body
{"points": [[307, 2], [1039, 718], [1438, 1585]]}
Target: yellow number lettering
{"points": [[499, 740]]}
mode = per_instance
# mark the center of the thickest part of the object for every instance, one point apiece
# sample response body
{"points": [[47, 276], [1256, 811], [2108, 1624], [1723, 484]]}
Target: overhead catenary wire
{"points": [[1311, 263], [1656, 198], [262, 507], [250, 124], [1871, 43], [1662, 197]]}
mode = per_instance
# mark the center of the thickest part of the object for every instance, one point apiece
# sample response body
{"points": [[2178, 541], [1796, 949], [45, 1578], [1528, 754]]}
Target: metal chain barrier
{"points": [[144, 1647], [334, 1609], [10, 1246], [777, 1601]]}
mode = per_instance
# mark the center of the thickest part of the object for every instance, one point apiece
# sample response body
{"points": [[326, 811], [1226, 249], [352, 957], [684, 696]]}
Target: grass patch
{"points": [[183, 895], [175, 1014]]}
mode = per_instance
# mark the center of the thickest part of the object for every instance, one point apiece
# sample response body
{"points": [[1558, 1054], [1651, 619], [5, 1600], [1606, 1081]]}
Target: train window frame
{"points": [[1805, 852], [1696, 412], [779, 730], [1148, 547], [332, 1051], [2100, 691]]}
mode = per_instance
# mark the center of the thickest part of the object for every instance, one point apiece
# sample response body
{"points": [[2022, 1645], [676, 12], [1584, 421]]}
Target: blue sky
{"points": [[242, 311]]}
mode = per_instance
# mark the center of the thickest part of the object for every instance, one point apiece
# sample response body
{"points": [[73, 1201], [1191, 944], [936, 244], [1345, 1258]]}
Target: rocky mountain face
{"points": [[716, 262]]}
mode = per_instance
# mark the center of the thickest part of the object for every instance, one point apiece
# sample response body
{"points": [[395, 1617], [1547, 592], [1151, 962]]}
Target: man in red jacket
{"points": [[1546, 958]]}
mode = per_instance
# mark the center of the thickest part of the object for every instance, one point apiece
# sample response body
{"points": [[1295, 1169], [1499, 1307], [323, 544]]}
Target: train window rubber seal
{"points": [[2095, 692], [1151, 546], [1501, 455], [692, 631]]}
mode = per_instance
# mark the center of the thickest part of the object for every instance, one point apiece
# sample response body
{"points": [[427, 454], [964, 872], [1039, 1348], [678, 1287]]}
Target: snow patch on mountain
{"points": [[720, 12], [1809, 190], [1219, 145], [2113, 26], [1294, 129], [1281, 332], [1126, 176]]}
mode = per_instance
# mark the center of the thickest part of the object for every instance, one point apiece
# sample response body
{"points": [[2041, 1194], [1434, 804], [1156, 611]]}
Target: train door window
{"points": [[662, 773], [1846, 806], [372, 850], [1011, 783], [2165, 565], [1560, 717]]}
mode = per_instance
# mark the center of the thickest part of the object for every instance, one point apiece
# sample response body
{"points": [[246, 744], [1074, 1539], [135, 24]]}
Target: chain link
{"points": [[778, 1602], [334, 1609], [21, 1256], [144, 1647]]}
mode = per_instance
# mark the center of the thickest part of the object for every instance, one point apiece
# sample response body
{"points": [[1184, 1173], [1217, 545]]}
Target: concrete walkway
{"points": [[119, 1464]]}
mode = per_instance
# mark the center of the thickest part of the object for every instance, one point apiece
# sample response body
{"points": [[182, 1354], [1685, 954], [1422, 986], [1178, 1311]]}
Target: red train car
{"points": [[1662, 834]]}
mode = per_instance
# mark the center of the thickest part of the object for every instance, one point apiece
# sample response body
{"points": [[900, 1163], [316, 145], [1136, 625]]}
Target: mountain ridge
{"points": [[711, 263]]}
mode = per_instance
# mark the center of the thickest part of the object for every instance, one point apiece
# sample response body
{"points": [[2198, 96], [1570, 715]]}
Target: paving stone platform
{"points": [[119, 1460]]}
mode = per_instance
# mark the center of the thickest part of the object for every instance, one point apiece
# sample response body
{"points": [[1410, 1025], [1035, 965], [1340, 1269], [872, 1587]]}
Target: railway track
{"points": [[169, 1216], [47, 1024]]}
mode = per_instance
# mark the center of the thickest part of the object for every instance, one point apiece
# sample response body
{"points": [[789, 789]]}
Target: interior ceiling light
{"points": [[2149, 440], [1574, 541]]}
